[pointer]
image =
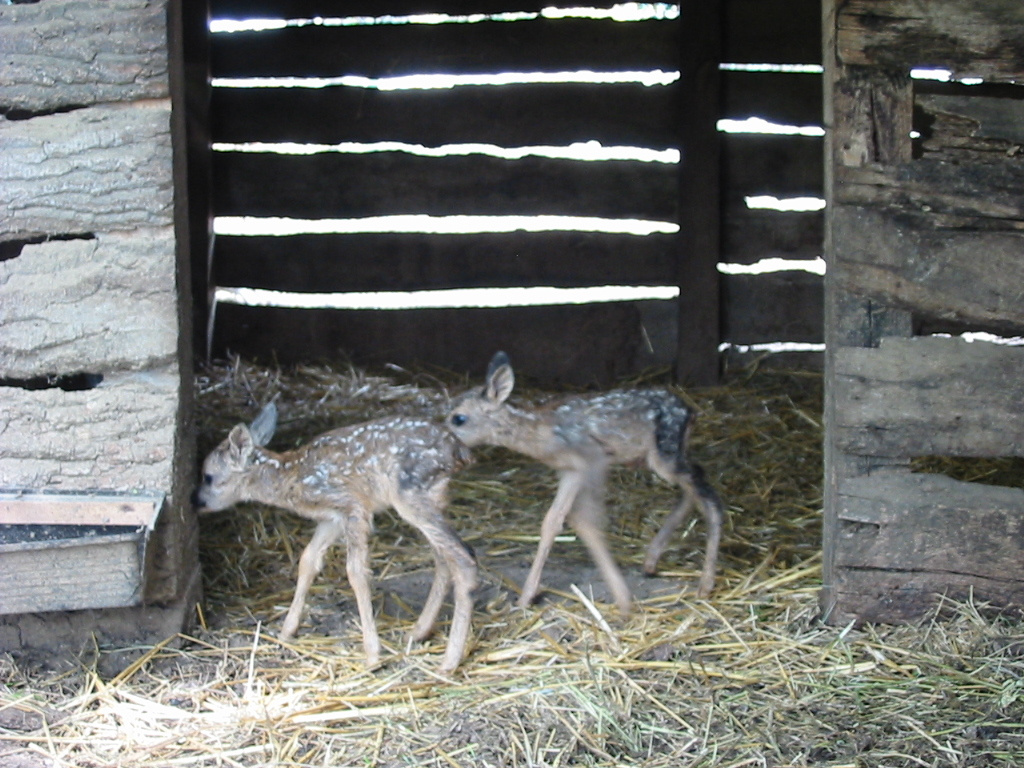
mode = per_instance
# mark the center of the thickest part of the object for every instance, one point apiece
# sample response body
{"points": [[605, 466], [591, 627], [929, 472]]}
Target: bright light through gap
{"points": [[625, 12], [773, 264], [795, 204], [440, 81], [759, 125], [446, 299], [586, 150], [424, 224]]}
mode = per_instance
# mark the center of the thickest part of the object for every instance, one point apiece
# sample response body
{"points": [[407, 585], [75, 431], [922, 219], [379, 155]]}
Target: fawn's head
{"points": [[476, 414], [227, 466]]}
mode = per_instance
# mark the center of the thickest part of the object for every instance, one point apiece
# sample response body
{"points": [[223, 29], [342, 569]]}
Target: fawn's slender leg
{"points": [[711, 506], [588, 520], [569, 485], [456, 561], [311, 563], [658, 544], [357, 566]]}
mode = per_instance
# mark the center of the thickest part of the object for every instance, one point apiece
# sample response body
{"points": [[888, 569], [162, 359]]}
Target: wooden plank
{"points": [[91, 572], [387, 50], [82, 52], [771, 31], [509, 116], [983, 117], [749, 235], [779, 97], [119, 437], [966, 194], [332, 185], [973, 37], [778, 306], [102, 168], [908, 538], [79, 509], [408, 262], [930, 396], [781, 166], [697, 361], [594, 344], [131, 323], [972, 277]]}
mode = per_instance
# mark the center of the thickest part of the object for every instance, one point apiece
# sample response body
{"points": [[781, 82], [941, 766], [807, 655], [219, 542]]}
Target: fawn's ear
{"points": [[500, 379], [240, 446], [264, 425]]}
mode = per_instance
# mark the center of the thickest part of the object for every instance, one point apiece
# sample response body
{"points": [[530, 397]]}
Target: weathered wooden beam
{"points": [[388, 50], [78, 509], [982, 38], [408, 262], [107, 303], [101, 168], [749, 235], [784, 98], [332, 185], [961, 191], [777, 306], [910, 539], [781, 166], [930, 396], [510, 116], [585, 345], [118, 437], [81, 52], [903, 262]]}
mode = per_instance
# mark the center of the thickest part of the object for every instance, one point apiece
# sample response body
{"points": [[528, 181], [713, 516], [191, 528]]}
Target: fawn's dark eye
{"points": [[459, 419], [208, 479]]}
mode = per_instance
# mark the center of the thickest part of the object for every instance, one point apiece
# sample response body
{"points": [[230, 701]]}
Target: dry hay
{"points": [[747, 678]]}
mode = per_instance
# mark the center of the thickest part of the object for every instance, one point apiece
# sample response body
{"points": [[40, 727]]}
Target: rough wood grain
{"points": [[930, 396], [972, 277], [101, 168], [907, 538], [982, 38], [777, 306], [102, 304], [64, 53], [78, 509], [117, 437]]}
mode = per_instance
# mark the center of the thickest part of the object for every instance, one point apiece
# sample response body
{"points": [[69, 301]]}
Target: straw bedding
{"points": [[750, 677]]}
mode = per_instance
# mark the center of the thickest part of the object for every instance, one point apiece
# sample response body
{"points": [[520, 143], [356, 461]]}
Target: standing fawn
{"points": [[581, 437], [340, 480]]}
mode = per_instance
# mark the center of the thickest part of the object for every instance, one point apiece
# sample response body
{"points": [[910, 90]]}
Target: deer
{"points": [[581, 437], [339, 480]]}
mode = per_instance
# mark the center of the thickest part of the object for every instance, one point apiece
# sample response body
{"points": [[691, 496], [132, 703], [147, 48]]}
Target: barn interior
{"points": [[288, 178]]}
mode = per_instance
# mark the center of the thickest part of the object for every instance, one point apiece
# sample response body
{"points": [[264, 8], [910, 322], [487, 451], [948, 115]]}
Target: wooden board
{"points": [[82, 52], [778, 97], [131, 322], [908, 538], [930, 396], [771, 31], [387, 50], [781, 166], [776, 306], [510, 116], [970, 277], [101, 168], [332, 185], [79, 509], [749, 235], [118, 437], [404, 262], [974, 37], [578, 345]]}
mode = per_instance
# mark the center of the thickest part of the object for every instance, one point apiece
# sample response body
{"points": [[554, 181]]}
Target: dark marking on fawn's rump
{"points": [[672, 421]]}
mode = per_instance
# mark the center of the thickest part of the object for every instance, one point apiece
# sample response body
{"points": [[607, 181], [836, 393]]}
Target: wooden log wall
{"points": [[95, 359], [925, 233], [581, 344]]}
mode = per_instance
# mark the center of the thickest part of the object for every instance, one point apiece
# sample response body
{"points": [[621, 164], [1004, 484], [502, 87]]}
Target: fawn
{"points": [[340, 479], [581, 436]]}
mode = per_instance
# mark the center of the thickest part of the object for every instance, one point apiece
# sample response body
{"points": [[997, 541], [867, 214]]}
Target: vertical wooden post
{"points": [[867, 116], [697, 356]]}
